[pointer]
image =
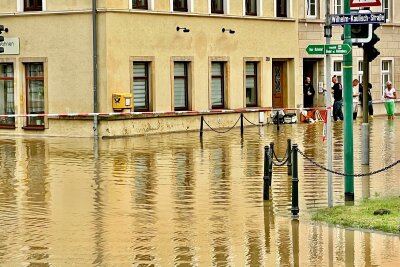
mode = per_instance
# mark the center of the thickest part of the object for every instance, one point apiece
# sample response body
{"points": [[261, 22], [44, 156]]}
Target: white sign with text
{"points": [[11, 46]]}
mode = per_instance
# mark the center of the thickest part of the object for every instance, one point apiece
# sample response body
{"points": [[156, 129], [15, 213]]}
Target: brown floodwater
{"points": [[174, 200]]}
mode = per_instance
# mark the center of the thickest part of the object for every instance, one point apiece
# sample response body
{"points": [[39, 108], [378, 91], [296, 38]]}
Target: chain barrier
{"points": [[344, 174], [280, 162], [222, 131], [259, 125]]}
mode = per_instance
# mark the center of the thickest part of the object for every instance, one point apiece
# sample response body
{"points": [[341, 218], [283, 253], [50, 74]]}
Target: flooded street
{"points": [[172, 200]]}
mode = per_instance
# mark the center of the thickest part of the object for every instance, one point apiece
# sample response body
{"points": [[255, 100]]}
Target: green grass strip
{"points": [[362, 215]]}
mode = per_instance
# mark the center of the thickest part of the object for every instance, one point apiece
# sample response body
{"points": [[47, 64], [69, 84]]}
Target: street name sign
{"points": [[363, 3], [358, 18], [331, 49]]}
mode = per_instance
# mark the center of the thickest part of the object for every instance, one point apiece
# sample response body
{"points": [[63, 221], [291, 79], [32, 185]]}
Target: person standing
{"points": [[390, 96], [308, 92], [356, 93], [337, 89], [370, 106]]}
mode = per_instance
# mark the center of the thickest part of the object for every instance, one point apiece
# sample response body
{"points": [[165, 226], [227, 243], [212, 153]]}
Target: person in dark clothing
{"points": [[308, 92], [370, 107], [337, 89]]}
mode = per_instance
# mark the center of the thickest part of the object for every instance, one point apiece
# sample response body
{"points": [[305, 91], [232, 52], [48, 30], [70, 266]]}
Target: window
{"points": [[181, 91], [282, 8], [141, 86], [251, 84], [338, 6], [217, 6], [33, 5], [311, 8], [7, 95], [180, 5], [139, 4], [387, 8], [34, 78], [360, 71], [217, 84], [386, 70], [338, 70], [251, 7]]}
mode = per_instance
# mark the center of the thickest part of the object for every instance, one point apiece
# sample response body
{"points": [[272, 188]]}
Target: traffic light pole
{"points": [[365, 125], [348, 112], [328, 101]]}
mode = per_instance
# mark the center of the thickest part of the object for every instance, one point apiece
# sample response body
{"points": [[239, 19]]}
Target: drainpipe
{"points": [[94, 30]]}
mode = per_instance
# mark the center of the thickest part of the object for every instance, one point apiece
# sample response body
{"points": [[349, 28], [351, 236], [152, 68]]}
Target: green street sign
{"points": [[316, 49], [332, 49]]}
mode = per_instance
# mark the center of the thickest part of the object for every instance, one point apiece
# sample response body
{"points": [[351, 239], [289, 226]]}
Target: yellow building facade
{"points": [[179, 59]]}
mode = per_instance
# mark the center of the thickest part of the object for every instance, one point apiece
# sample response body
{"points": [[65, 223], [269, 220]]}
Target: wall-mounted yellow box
{"points": [[122, 101]]}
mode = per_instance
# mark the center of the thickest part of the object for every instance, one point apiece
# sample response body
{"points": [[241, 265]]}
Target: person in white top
{"points": [[356, 94], [390, 96]]}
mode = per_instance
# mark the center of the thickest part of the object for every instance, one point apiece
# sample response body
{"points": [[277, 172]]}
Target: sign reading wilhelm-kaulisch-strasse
{"points": [[358, 18], [364, 3]]}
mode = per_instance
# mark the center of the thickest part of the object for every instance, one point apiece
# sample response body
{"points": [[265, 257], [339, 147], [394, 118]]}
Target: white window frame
{"points": [[289, 8], [360, 72], [150, 4], [389, 8], [190, 6], [226, 7], [307, 10], [20, 6], [259, 8], [388, 72], [337, 73], [335, 6]]}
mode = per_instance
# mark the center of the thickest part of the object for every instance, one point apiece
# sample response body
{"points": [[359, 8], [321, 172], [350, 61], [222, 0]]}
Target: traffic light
{"points": [[372, 51], [361, 33]]}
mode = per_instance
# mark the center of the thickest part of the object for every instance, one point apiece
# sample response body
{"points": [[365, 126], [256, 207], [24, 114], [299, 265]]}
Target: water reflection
{"points": [[176, 200]]}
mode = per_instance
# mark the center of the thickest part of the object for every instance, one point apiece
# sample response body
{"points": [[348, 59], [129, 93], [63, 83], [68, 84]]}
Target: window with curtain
{"points": [[251, 7], [282, 8], [251, 84], [34, 79], [7, 94], [181, 97], [386, 72], [33, 5], [338, 7], [338, 70], [311, 8], [217, 6], [217, 84], [139, 4], [141, 86], [386, 7], [181, 5]]}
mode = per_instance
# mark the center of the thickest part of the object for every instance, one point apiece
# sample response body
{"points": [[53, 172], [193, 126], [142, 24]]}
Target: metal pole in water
{"points": [[289, 161], [201, 126], [271, 145], [277, 120], [266, 173], [295, 183], [241, 124]]}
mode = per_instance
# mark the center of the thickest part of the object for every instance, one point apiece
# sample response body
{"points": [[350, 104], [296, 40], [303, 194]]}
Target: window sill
{"points": [[34, 128], [7, 127]]}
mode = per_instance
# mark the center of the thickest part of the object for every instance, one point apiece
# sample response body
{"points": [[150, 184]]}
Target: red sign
{"points": [[362, 3]]}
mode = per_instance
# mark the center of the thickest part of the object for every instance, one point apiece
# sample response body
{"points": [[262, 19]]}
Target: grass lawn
{"points": [[362, 215]]}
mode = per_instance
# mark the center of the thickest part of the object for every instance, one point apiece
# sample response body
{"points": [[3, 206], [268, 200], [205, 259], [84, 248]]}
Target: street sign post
{"points": [[364, 3], [329, 49]]}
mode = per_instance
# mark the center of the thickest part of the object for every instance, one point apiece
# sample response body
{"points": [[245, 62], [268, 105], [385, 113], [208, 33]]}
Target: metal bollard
{"points": [[289, 161], [201, 126], [277, 120], [266, 173], [241, 124], [295, 183], [271, 145]]}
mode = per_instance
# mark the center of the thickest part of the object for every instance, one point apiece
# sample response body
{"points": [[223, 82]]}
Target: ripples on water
{"points": [[173, 200]]}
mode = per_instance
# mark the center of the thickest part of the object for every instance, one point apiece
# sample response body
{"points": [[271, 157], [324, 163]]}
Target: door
{"points": [[278, 84]]}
